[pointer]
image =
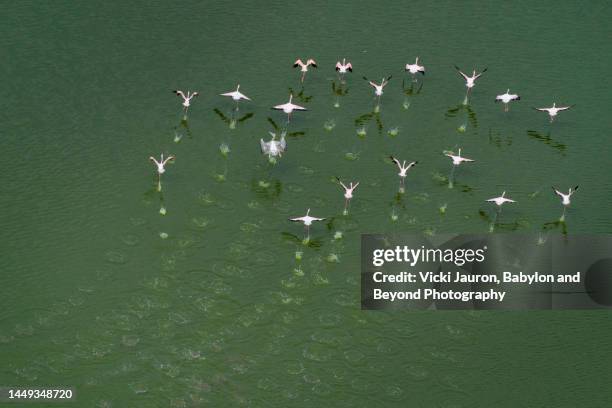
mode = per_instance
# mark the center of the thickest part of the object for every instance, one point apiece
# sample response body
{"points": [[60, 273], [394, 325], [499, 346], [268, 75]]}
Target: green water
{"points": [[220, 313]]}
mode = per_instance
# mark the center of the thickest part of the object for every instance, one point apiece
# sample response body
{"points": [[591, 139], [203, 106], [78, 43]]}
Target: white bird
{"points": [[470, 81], [348, 193], [307, 220], [304, 67], [506, 98], [274, 147], [186, 98], [415, 68], [289, 107], [554, 110], [403, 168], [501, 200], [161, 167], [236, 95], [565, 198], [378, 88], [457, 159], [344, 67]]}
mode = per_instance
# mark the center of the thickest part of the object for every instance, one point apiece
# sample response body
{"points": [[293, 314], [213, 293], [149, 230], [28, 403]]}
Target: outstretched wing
{"points": [[397, 162], [169, 158], [264, 146], [461, 73], [479, 75], [180, 93]]}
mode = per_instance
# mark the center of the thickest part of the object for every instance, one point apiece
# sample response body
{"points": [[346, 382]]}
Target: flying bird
{"points": [[186, 98], [304, 67], [274, 147], [236, 95], [470, 81], [506, 98], [378, 88], [554, 110], [403, 170], [458, 159], [161, 167], [307, 220], [344, 67], [501, 200], [415, 69], [289, 107], [565, 198], [348, 193]]}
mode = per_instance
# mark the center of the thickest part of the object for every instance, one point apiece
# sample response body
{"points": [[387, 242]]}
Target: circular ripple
{"points": [[317, 352], [116, 257]]}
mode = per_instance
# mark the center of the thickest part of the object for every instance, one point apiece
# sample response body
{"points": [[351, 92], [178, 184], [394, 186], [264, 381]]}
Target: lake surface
{"points": [[209, 305]]}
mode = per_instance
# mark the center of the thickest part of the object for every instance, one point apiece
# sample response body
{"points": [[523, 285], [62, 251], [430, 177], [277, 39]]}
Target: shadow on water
{"points": [[547, 140], [553, 225], [339, 90], [465, 113], [362, 121], [311, 243], [496, 225], [233, 120], [280, 130], [443, 180], [410, 91], [499, 140], [268, 188], [181, 130], [300, 96]]}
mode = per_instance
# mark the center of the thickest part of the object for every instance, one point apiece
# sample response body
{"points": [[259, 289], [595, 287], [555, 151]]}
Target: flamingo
{"points": [[554, 110], [289, 107], [506, 98], [307, 220], [186, 98], [348, 193], [161, 167], [304, 67]]}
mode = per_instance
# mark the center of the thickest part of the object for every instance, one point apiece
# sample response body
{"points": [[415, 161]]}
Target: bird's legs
{"points": [[401, 189], [346, 206], [303, 76], [307, 239], [562, 219], [497, 213], [467, 96], [506, 107], [159, 182], [451, 181]]}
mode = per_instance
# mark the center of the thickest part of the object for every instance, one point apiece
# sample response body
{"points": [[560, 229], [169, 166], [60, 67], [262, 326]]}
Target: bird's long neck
{"points": [[503, 194], [238, 87], [459, 152], [290, 97], [308, 212], [417, 61]]}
